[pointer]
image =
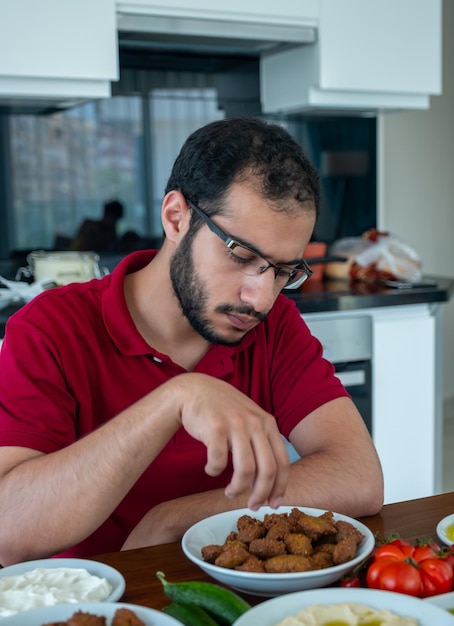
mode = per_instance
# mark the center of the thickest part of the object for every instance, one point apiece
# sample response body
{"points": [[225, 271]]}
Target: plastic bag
{"points": [[388, 258], [347, 248]]}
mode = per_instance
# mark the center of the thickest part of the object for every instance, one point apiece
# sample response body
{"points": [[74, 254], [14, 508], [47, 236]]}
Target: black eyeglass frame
{"points": [[301, 264]]}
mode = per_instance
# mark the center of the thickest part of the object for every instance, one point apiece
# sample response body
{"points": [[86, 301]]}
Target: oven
{"points": [[347, 343]]}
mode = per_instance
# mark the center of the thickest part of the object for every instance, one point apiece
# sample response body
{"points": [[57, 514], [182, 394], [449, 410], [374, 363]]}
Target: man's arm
{"points": [[339, 471], [51, 502]]}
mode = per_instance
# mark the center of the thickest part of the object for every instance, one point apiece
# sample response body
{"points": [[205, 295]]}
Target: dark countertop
{"points": [[342, 295]]}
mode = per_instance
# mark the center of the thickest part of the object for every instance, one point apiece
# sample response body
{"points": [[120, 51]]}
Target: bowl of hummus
{"points": [[345, 607]]}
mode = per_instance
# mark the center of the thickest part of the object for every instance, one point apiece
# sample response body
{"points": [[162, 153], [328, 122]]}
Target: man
{"points": [[100, 235], [135, 405]]}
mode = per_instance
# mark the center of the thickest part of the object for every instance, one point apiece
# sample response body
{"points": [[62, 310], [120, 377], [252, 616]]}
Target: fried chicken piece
{"points": [[297, 543], [345, 530], [232, 536], [321, 560], [86, 619], [126, 617], [211, 552], [252, 564], [288, 563], [233, 554], [279, 530], [348, 540], [271, 519], [250, 528], [327, 548], [266, 548], [345, 550], [313, 526]]}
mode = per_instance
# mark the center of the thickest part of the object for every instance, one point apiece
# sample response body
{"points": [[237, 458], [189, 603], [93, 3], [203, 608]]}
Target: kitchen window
{"points": [[66, 165]]}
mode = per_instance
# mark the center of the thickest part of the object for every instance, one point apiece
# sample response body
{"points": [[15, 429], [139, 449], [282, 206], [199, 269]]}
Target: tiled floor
{"points": [[448, 446]]}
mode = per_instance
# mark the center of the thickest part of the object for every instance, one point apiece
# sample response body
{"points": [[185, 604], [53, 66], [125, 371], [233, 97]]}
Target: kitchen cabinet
{"points": [[355, 55], [406, 367], [369, 55], [252, 27], [285, 12], [314, 54], [55, 52]]}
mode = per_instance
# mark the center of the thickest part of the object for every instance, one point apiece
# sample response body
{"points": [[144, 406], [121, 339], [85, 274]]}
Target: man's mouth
{"points": [[241, 322]]}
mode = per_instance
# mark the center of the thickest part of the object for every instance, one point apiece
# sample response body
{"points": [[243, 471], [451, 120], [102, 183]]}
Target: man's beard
{"points": [[191, 294]]}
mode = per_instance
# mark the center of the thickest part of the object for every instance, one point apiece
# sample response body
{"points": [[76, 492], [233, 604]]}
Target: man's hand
{"points": [[226, 420]]}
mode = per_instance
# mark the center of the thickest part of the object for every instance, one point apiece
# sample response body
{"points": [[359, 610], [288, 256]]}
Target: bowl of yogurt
{"points": [[47, 582]]}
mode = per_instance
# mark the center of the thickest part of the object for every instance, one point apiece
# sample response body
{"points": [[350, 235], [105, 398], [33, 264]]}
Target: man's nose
{"points": [[260, 291]]}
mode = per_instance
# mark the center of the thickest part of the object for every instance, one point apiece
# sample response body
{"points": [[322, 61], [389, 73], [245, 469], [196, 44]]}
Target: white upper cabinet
{"points": [[282, 12], [253, 24], [369, 54], [314, 54], [52, 51]]}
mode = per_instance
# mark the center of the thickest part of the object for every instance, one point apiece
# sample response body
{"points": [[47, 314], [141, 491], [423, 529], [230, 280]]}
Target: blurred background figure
{"points": [[100, 235]]}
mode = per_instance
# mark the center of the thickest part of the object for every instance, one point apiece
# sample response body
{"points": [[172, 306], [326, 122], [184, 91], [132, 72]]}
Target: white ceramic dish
{"points": [[112, 575], [444, 600], [441, 529], [271, 612], [215, 529], [61, 612]]}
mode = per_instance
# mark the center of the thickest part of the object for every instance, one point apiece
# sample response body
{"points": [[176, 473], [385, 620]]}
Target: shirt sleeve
{"points": [[36, 409]]}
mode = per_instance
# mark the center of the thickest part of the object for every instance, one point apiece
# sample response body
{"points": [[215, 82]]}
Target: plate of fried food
{"points": [[91, 614], [270, 552]]}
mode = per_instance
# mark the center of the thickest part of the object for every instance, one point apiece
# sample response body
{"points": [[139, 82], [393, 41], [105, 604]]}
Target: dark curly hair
{"points": [[239, 150]]}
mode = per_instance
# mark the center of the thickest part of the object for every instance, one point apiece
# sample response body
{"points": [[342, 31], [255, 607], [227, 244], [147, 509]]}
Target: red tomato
{"points": [[397, 541], [394, 575], [436, 577], [394, 551], [419, 571], [425, 552], [350, 581]]}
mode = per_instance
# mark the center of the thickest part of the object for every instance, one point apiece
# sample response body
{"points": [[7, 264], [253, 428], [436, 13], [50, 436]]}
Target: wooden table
{"points": [[411, 520]]}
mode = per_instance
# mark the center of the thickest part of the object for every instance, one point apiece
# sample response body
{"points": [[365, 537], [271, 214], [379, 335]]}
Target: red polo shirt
{"points": [[72, 359]]}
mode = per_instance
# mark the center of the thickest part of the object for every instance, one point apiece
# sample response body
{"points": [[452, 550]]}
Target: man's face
{"points": [[221, 302]]}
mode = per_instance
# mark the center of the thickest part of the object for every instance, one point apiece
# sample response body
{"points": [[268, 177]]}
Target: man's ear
{"points": [[175, 215]]}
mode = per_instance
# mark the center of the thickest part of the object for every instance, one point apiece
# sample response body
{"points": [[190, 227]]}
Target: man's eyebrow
{"points": [[253, 248]]}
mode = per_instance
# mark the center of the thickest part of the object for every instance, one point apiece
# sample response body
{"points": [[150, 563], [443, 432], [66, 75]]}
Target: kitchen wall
{"points": [[416, 183]]}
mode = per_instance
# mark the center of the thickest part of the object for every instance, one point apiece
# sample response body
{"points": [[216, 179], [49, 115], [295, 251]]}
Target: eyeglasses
{"points": [[251, 263]]}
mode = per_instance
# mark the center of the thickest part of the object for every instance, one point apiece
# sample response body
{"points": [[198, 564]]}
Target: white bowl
{"points": [[271, 612], [62, 612], [215, 529], [113, 576], [442, 527]]}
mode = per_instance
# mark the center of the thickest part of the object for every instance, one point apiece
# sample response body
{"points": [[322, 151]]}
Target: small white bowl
{"points": [[61, 612], [95, 568], [215, 529], [442, 528]]}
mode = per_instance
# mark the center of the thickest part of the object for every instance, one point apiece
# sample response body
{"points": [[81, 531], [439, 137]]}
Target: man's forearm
{"points": [[317, 481]]}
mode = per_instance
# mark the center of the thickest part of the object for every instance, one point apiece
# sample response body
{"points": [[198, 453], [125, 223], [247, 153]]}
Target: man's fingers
{"points": [[260, 466]]}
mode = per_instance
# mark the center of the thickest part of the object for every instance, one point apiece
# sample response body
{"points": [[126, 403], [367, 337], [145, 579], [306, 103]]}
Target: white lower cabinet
{"points": [[407, 393]]}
